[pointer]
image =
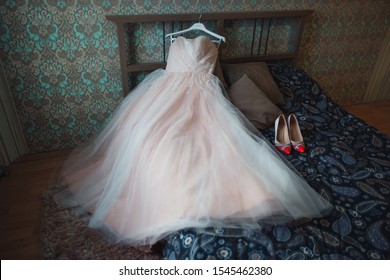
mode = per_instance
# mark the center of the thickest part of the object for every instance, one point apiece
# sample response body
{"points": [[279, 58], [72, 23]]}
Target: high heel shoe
{"points": [[295, 134], [282, 136]]}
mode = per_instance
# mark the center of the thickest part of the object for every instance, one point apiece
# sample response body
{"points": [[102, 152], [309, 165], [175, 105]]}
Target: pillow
{"points": [[253, 103], [259, 73]]}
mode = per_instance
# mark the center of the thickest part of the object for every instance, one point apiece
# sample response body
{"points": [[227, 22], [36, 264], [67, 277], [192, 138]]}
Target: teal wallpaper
{"points": [[61, 56]]}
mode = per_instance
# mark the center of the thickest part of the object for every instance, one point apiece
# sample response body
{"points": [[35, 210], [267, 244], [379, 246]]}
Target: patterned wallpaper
{"points": [[61, 56]]}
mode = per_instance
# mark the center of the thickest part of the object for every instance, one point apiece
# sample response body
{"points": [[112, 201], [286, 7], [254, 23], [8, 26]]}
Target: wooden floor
{"points": [[20, 203], [20, 191]]}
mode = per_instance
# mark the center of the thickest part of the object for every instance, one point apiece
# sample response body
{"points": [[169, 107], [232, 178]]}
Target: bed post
{"points": [[298, 38], [122, 55]]}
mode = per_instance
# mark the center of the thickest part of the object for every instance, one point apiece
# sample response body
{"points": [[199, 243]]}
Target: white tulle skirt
{"points": [[177, 154]]}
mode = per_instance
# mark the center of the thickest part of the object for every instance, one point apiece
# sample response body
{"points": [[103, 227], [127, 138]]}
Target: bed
{"points": [[346, 161]]}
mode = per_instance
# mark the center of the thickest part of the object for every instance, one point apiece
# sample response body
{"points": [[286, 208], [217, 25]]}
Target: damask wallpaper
{"points": [[61, 56]]}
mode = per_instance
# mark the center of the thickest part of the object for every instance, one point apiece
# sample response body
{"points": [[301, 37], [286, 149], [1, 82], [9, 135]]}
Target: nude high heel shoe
{"points": [[282, 136], [295, 134]]}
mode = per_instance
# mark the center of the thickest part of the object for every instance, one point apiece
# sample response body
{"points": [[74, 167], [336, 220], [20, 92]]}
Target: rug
{"points": [[65, 235]]}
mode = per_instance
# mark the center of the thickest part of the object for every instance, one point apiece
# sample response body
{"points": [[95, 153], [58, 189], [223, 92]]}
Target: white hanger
{"points": [[197, 26]]}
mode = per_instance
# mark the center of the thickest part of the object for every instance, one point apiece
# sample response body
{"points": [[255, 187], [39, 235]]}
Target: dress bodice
{"points": [[192, 55]]}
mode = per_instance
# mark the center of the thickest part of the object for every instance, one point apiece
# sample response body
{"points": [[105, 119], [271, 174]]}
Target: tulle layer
{"points": [[178, 154]]}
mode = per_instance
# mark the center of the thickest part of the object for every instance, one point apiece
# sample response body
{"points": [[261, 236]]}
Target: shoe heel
{"points": [[282, 135], [295, 134]]}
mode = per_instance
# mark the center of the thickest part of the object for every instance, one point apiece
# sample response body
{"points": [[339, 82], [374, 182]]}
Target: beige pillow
{"points": [[253, 103], [259, 73]]}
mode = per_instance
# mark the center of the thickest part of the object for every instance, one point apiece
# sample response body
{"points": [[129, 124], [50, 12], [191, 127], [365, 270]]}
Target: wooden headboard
{"points": [[258, 36]]}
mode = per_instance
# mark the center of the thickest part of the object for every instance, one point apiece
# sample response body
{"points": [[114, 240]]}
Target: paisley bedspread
{"points": [[347, 161]]}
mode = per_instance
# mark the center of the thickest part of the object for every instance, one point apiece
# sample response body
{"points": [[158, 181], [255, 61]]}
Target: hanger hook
{"points": [[200, 17]]}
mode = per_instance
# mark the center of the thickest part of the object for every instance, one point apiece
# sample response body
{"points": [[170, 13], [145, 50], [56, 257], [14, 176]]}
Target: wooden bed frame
{"points": [[222, 19]]}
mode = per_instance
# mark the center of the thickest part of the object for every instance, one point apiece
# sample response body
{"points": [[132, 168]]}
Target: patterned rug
{"points": [[65, 235]]}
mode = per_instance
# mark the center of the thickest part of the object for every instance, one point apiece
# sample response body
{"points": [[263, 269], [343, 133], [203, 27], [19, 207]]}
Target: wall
{"points": [[61, 56], [378, 88]]}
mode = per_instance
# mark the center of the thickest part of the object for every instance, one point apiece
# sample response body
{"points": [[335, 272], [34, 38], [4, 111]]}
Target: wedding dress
{"points": [[177, 154]]}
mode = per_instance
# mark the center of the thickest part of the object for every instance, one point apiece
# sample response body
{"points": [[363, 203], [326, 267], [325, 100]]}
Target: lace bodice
{"points": [[192, 55]]}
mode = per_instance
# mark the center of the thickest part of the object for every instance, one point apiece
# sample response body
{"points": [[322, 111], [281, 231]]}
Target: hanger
{"points": [[197, 26]]}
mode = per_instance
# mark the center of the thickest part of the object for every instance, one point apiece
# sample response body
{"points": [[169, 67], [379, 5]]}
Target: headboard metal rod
{"points": [[301, 24], [164, 46], [145, 66], [261, 57], [253, 35], [261, 36], [267, 36]]}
